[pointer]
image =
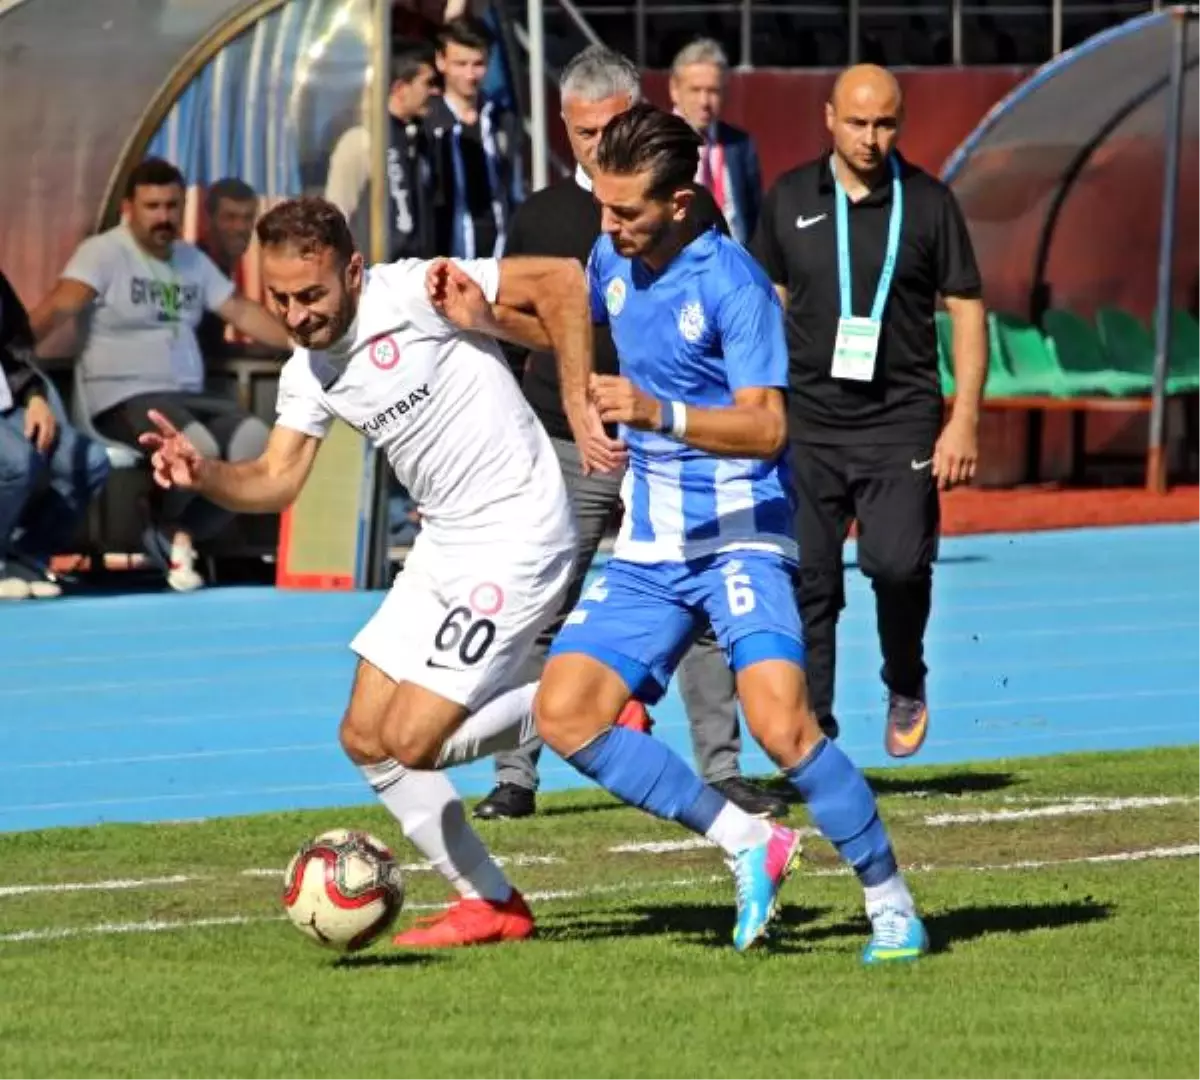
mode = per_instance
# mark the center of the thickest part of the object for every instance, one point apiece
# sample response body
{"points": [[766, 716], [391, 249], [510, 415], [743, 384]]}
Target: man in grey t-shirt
{"points": [[142, 293]]}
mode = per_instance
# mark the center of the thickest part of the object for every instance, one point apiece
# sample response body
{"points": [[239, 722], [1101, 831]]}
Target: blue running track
{"points": [[164, 707]]}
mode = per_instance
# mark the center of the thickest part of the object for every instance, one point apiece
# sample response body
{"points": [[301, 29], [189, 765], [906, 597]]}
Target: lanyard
{"points": [[843, 244]]}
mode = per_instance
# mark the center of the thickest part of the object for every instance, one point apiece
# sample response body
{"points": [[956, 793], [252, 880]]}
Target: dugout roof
{"points": [[76, 79], [1062, 181], [252, 88]]}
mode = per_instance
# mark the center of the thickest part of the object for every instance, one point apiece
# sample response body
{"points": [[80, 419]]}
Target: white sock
{"points": [[735, 830], [432, 817], [892, 894], [503, 723]]}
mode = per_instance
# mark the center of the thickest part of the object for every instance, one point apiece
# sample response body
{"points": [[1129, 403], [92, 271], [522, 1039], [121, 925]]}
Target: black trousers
{"points": [[890, 491]]}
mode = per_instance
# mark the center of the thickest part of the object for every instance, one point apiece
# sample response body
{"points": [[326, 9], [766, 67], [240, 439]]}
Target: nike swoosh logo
{"points": [[441, 667], [918, 465], [803, 222]]}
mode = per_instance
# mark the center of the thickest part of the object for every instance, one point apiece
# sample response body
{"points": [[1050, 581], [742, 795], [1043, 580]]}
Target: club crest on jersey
{"points": [[614, 297], [691, 321], [384, 353]]}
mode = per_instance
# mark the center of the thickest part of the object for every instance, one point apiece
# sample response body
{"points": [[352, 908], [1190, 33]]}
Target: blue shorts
{"points": [[640, 619]]}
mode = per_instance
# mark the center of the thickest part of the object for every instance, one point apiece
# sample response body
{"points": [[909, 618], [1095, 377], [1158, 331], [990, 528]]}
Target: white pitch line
{"points": [[1062, 809], [95, 886], [694, 843], [425, 868], [158, 926], [151, 926], [118, 884], [1073, 805], [155, 926]]}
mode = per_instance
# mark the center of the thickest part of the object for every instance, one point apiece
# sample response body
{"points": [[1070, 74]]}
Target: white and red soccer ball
{"points": [[343, 889]]}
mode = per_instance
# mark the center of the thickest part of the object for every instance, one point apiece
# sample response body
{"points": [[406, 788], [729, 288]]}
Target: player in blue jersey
{"points": [[707, 535]]}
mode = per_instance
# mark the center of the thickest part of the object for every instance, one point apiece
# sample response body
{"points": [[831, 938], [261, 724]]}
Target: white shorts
{"points": [[462, 626]]}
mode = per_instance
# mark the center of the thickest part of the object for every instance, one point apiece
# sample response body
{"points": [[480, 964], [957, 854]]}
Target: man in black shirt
{"points": [[564, 220], [861, 243]]}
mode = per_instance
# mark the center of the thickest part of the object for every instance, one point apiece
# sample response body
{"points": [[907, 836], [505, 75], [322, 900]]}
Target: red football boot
{"points": [[471, 922]]}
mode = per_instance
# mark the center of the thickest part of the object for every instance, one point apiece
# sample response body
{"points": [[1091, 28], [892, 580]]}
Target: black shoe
{"points": [[756, 802], [506, 801]]}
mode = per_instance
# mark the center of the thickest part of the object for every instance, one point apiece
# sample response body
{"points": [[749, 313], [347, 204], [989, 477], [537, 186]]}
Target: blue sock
{"points": [[843, 806], [645, 772]]}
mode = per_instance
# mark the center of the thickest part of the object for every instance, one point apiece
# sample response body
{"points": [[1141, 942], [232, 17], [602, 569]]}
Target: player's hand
{"points": [[620, 402], [456, 296], [175, 462], [40, 425], [597, 451], [956, 452]]}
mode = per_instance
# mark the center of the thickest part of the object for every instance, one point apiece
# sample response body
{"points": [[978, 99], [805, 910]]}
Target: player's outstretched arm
{"points": [[754, 426], [556, 291], [267, 485], [541, 303]]}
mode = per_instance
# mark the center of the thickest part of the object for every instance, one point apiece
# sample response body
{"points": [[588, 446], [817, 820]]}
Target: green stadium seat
{"points": [[1185, 354], [1029, 357], [1085, 366], [945, 351], [1000, 382], [1129, 345]]}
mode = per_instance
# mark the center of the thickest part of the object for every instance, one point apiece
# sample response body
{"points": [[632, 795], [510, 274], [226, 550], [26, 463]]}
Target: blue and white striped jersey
{"points": [[705, 326]]}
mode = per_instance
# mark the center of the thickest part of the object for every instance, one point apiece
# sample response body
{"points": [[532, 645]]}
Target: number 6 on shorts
{"points": [[740, 594], [471, 638]]}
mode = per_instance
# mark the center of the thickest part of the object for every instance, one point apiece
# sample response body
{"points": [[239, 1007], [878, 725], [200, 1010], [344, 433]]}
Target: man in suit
{"points": [[728, 159]]}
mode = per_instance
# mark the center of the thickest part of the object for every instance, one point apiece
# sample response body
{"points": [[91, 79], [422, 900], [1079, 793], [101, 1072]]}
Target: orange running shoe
{"points": [[907, 724], [471, 922]]}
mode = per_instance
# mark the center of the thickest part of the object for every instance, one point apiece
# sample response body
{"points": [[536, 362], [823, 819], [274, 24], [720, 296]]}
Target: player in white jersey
{"points": [[439, 662]]}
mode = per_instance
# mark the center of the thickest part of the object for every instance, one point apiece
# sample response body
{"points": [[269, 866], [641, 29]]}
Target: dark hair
{"points": [[467, 31], [153, 172], [409, 58], [646, 139], [231, 188], [309, 224]]}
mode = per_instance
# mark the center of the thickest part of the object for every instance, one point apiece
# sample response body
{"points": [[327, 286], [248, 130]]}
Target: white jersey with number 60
{"points": [[497, 543]]}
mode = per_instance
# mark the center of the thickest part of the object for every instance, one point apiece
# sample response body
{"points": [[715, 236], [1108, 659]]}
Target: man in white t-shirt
{"points": [[438, 678], [143, 292]]}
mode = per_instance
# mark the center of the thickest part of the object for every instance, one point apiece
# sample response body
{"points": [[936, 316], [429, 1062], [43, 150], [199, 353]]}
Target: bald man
{"points": [[860, 244]]}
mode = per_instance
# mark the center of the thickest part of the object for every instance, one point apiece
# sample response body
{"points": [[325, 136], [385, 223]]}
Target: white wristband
{"points": [[678, 419]]}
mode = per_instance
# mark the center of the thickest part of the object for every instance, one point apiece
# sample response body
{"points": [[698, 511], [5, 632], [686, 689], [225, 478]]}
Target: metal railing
{"points": [[854, 16]]}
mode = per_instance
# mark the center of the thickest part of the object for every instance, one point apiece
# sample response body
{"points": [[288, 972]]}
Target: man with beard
{"points": [[439, 678], [231, 208], [142, 292]]}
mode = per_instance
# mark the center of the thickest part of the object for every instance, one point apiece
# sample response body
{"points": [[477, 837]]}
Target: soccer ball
{"points": [[343, 889]]}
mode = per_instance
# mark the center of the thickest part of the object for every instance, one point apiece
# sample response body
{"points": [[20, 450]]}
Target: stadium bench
{"points": [[1075, 368]]}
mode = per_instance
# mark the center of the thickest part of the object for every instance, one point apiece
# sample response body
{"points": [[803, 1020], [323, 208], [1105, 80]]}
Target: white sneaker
{"points": [[183, 575], [12, 588], [45, 589]]}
